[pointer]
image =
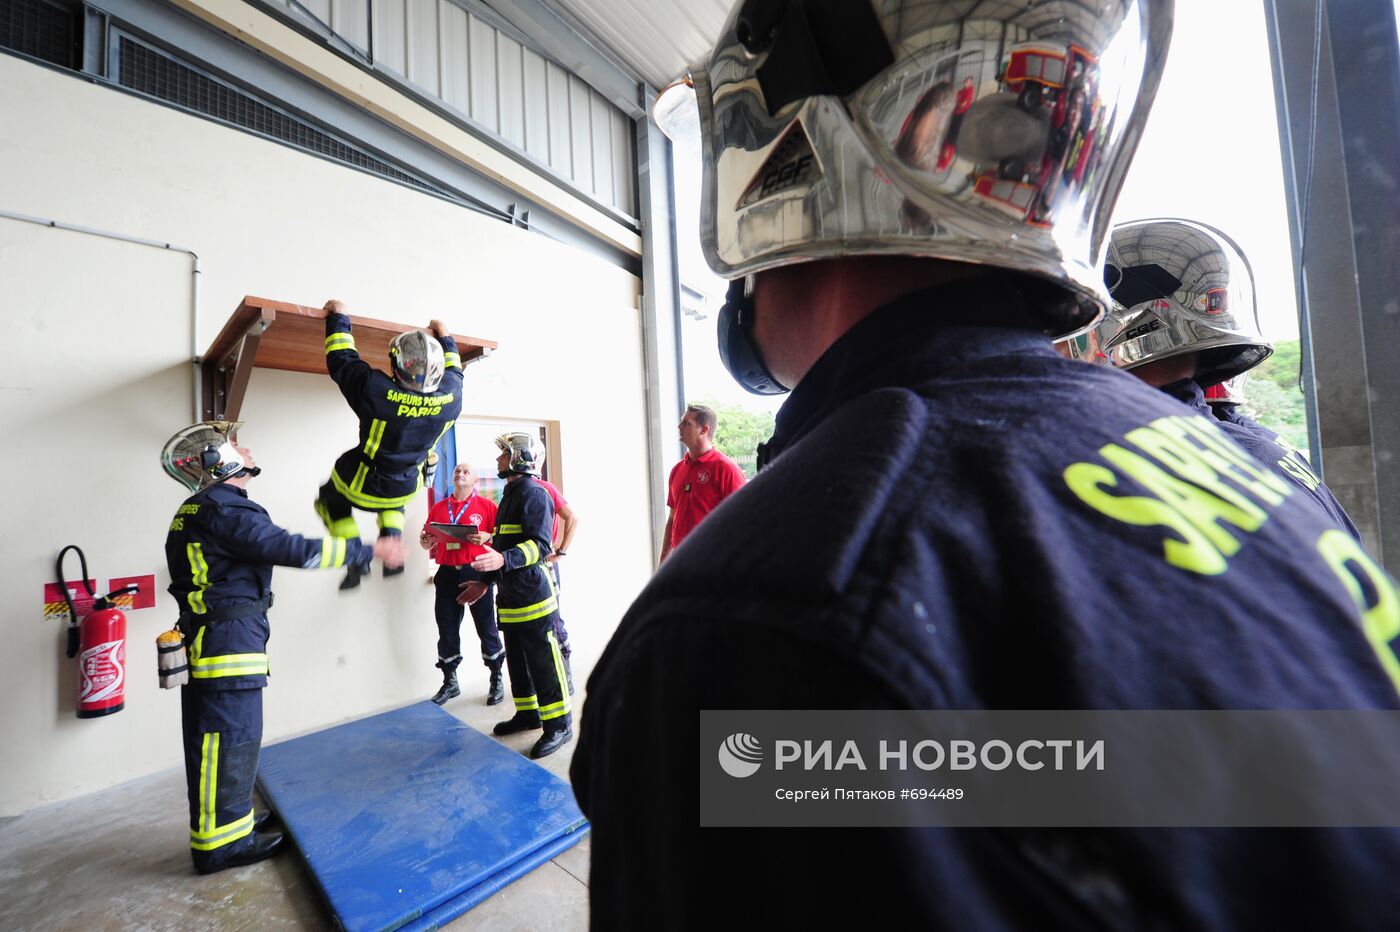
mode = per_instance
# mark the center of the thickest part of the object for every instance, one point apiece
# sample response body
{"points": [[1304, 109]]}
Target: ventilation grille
{"points": [[152, 72], [40, 29]]}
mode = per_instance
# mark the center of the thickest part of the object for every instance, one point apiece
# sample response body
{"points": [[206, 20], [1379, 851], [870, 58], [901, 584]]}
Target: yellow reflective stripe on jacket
{"points": [[390, 519], [372, 502], [199, 576], [528, 613], [530, 551], [332, 552], [221, 835], [220, 665], [339, 341], [509, 529], [361, 474], [451, 361], [376, 436]]}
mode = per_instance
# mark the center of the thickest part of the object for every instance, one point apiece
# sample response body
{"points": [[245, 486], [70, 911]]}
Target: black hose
{"points": [[63, 587]]}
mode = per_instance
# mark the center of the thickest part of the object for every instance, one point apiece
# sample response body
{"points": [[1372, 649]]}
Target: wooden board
{"points": [[295, 335]]}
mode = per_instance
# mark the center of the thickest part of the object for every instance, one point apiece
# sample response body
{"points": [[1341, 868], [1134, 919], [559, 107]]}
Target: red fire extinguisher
{"points": [[99, 643]]}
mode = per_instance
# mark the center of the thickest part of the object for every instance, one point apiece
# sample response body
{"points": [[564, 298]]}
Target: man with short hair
{"points": [[700, 481], [951, 515], [453, 557], [220, 550]]}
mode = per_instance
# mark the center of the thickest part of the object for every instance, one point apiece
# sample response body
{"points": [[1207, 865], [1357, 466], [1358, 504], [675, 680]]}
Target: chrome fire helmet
{"points": [[418, 360], [526, 453], [908, 127], [204, 454], [1178, 286]]}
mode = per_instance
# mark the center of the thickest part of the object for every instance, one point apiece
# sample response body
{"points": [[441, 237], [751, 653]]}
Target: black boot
{"points": [[522, 721], [264, 846], [450, 689], [551, 742], [496, 692], [394, 570], [352, 578]]}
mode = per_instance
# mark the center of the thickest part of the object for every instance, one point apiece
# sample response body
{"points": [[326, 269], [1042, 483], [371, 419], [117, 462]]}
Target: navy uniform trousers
{"points": [[448, 613]]}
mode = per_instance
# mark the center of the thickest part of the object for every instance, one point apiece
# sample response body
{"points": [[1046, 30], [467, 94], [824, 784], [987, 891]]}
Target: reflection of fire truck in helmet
{"points": [[1059, 85]]}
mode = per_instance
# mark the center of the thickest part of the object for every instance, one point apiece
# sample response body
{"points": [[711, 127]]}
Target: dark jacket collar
{"points": [[909, 342], [1189, 393]]}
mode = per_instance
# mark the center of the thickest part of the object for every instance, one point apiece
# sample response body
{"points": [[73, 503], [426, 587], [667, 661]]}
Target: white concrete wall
{"points": [[95, 375]]}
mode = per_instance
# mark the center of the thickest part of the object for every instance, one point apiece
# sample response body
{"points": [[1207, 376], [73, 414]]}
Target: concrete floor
{"points": [[119, 859]]}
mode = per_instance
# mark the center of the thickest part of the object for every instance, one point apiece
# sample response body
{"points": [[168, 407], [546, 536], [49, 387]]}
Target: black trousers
{"points": [[448, 613], [536, 668], [223, 736]]}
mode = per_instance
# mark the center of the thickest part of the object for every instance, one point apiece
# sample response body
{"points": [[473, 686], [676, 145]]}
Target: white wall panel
{"points": [[422, 33], [456, 58], [581, 132], [510, 90], [536, 94]]}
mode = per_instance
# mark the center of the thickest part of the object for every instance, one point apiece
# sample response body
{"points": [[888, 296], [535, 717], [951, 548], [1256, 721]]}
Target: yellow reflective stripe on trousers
{"points": [[199, 576], [528, 703], [339, 341], [371, 502], [221, 835], [376, 436], [528, 612], [332, 552], [509, 529], [563, 706], [208, 780], [451, 361], [220, 665]]}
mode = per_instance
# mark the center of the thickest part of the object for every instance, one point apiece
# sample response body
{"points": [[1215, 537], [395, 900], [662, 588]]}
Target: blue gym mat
{"points": [[411, 818]]}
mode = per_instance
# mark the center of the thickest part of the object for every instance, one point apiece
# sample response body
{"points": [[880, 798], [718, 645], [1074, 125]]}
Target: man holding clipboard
{"points": [[454, 533]]}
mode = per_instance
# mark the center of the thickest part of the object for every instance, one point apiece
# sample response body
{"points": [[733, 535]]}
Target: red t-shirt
{"points": [[475, 510], [697, 485], [559, 502]]}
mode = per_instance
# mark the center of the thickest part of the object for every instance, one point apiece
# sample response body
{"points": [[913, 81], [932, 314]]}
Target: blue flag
{"points": [[447, 461]]}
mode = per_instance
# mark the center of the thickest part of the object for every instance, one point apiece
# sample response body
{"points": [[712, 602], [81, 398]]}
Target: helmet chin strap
{"points": [[737, 349]]}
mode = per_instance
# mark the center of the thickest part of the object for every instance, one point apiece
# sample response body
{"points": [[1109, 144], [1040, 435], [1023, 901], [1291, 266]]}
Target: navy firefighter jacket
{"points": [[220, 551], [956, 517], [1268, 448], [524, 529], [397, 426]]}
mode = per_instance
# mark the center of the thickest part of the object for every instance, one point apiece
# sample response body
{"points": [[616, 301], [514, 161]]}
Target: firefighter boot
{"points": [[352, 578], [449, 689], [551, 742], [264, 846], [521, 721], [496, 692]]}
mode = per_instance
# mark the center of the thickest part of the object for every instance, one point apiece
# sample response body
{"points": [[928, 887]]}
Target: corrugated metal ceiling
{"points": [[657, 38]]}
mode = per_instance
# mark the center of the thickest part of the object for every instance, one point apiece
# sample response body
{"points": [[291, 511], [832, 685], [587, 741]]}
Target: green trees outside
{"points": [[1272, 396]]}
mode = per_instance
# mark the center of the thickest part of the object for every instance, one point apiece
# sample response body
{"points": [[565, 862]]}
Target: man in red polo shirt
{"points": [[700, 481], [454, 559]]}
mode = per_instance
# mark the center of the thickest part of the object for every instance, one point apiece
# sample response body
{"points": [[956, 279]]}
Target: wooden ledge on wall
{"points": [[279, 335]]}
